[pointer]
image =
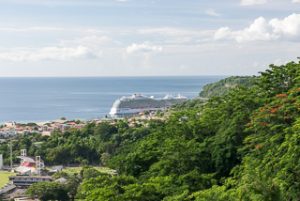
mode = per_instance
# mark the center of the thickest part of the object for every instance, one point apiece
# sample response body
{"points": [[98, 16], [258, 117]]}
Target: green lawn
{"points": [[4, 178], [73, 170]]}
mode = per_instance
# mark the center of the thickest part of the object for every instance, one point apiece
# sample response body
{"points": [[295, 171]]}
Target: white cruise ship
{"points": [[137, 103]]}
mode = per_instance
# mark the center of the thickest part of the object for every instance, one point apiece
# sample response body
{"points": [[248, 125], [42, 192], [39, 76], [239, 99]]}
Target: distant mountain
{"points": [[223, 86]]}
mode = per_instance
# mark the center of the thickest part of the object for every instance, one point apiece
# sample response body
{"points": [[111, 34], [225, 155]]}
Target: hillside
{"points": [[223, 86], [244, 145]]}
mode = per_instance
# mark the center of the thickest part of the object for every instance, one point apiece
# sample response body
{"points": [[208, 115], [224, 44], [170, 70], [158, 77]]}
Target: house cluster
{"points": [[143, 119], [59, 125], [11, 129], [7, 130]]}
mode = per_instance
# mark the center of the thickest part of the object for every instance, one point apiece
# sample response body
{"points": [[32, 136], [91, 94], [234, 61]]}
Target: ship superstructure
{"points": [[137, 103]]}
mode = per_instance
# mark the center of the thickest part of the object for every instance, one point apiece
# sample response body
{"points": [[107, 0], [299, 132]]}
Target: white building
{"points": [[7, 133], [10, 124]]}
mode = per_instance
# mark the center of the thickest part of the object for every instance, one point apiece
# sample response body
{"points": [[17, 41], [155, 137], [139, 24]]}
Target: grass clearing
{"points": [[76, 170], [4, 177]]}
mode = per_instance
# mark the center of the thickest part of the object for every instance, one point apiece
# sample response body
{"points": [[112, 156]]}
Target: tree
{"points": [[105, 158], [279, 79], [104, 187], [89, 173], [48, 191], [105, 130], [71, 186]]}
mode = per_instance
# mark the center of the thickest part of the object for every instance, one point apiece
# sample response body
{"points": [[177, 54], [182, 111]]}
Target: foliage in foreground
{"points": [[48, 191], [244, 145]]}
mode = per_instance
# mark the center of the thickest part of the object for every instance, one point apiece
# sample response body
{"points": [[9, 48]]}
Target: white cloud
{"points": [[46, 53], [86, 47], [31, 29], [253, 2], [289, 26], [143, 48], [176, 36], [92, 41], [263, 30], [212, 12], [60, 2], [260, 2], [223, 33], [168, 31]]}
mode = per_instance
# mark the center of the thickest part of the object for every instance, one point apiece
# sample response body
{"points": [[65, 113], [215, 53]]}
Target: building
{"points": [[29, 165], [25, 199], [7, 133], [10, 124], [28, 180], [7, 189]]}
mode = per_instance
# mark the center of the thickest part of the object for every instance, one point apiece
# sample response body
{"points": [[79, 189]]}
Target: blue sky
{"points": [[146, 37]]}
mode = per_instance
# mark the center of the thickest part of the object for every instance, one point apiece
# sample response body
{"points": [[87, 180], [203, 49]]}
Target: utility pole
{"points": [[38, 164], [11, 146], [11, 160]]}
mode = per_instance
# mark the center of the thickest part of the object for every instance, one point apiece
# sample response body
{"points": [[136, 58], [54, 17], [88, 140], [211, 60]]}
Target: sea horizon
{"points": [[123, 76], [40, 99]]}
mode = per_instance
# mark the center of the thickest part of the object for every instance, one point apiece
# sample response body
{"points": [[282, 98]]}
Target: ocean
{"points": [[42, 99]]}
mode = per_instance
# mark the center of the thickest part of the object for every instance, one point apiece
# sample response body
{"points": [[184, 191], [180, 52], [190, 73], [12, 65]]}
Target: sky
{"points": [[146, 37]]}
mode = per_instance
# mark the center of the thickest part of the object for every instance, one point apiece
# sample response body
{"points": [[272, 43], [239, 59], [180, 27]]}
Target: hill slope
{"points": [[242, 146], [225, 85]]}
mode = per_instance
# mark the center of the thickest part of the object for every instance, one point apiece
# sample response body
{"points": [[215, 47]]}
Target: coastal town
{"points": [[12, 129], [17, 177], [19, 170]]}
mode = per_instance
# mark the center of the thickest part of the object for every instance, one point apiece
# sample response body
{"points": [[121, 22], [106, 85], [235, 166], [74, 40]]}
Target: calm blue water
{"points": [[41, 99]]}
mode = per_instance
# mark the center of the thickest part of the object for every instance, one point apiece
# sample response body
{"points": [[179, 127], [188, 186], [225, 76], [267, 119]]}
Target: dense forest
{"points": [[223, 86], [240, 145]]}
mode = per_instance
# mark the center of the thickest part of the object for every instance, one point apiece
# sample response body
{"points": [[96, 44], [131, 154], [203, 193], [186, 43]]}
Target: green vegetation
{"points": [[4, 178], [77, 170], [222, 87], [243, 145], [48, 191], [66, 185], [239, 146]]}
